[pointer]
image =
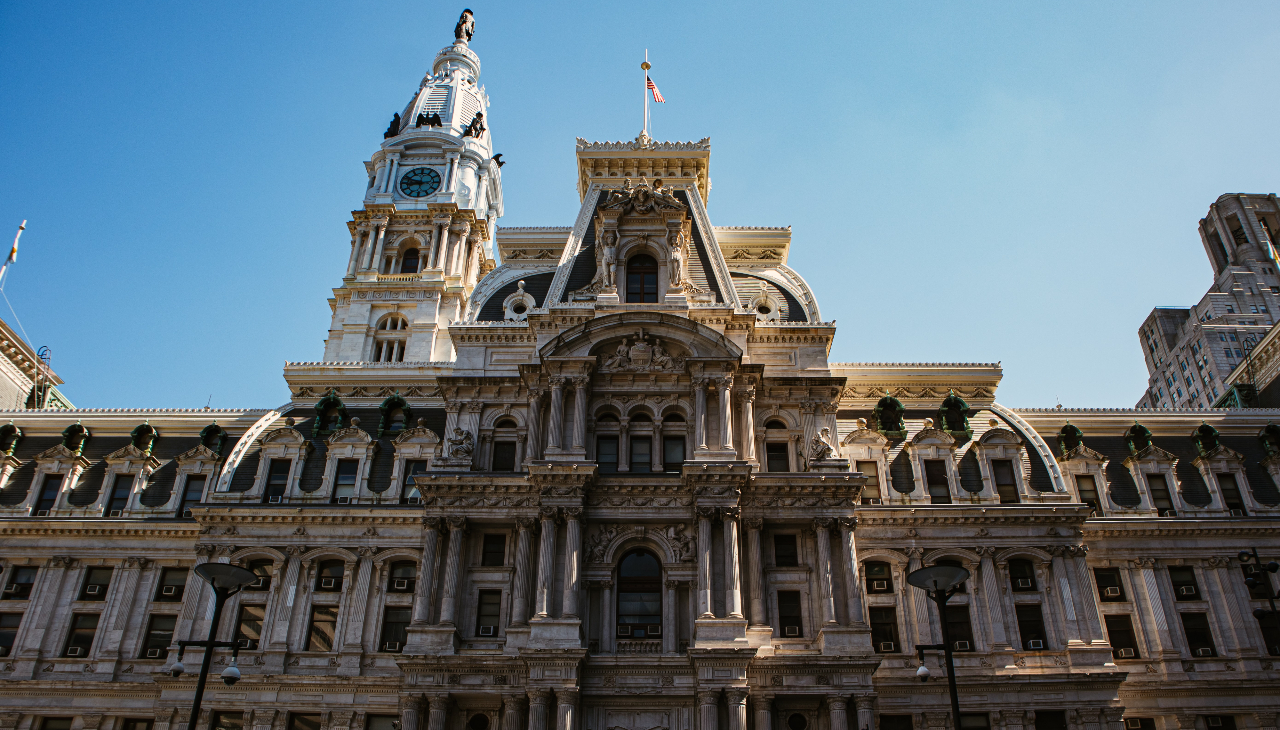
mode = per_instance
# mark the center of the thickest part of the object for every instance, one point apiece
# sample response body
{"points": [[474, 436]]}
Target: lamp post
{"points": [[940, 583], [1259, 579], [226, 581]]}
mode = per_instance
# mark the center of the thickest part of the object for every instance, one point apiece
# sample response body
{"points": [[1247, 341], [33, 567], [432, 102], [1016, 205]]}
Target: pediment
{"points": [[679, 334], [1000, 436], [198, 453], [59, 453], [417, 436], [1220, 452], [349, 436], [1152, 453], [933, 437], [865, 436], [130, 453], [1084, 453], [284, 435]]}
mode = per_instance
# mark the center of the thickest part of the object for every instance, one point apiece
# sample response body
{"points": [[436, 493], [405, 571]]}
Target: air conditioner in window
{"points": [[1186, 590], [1125, 653], [1024, 583], [1168, 513], [245, 643], [153, 653], [872, 500], [327, 582], [186, 513], [1132, 723], [115, 513], [400, 584], [886, 646], [168, 590], [1237, 513], [274, 499], [11, 588], [42, 513], [74, 650], [391, 646], [1215, 721], [879, 585], [655, 630], [624, 631], [488, 630], [260, 583], [1035, 644], [1111, 591], [4, 651], [413, 500], [961, 646], [344, 500], [1204, 651], [790, 630], [92, 590]]}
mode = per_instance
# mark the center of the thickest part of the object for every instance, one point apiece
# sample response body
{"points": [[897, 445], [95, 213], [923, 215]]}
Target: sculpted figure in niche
{"points": [[675, 264], [681, 542], [465, 28], [622, 357], [461, 444], [609, 258], [820, 447]]}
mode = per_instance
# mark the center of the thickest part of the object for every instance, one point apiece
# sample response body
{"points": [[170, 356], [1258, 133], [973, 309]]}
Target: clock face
{"points": [[420, 182]]}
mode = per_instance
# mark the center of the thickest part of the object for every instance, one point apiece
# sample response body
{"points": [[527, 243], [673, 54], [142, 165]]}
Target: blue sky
{"points": [[1017, 182]]}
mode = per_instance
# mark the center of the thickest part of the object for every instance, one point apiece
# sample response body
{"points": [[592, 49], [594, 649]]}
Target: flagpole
{"points": [[645, 67], [13, 253]]}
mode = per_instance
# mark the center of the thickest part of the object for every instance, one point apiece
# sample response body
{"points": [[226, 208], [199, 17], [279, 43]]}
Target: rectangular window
{"points": [[1261, 581], [192, 493], [1051, 720], [409, 491], [1220, 722], [9, 623], [607, 454], [504, 455], [789, 619], [1022, 575], [1110, 589], [871, 492], [395, 629], [1231, 498], [304, 722], [80, 639], [775, 457], [136, 724], [1031, 627], [495, 550], [1184, 584], [324, 626], [959, 628], [1160, 498], [227, 721], [159, 636], [96, 582], [488, 612], [975, 721], [119, 500], [344, 479], [19, 586], [1199, 637], [879, 579], [173, 581], [277, 480], [641, 454], [935, 479], [1269, 625], [785, 552], [1088, 488], [1124, 643], [1006, 482], [884, 630], [249, 626], [48, 494], [55, 723], [673, 453], [390, 722]]}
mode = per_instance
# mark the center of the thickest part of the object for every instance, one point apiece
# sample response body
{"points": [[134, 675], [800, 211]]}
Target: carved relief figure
{"points": [[820, 446], [622, 357], [610, 258], [681, 541], [661, 360], [461, 444], [676, 261]]}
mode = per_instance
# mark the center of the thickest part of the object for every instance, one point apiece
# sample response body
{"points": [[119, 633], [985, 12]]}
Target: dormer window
{"points": [[48, 494], [642, 280], [396, 418], [277, 480]]}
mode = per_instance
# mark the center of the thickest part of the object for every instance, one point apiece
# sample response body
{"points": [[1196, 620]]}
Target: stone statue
{"points": [[428, 120], [466, 27], [681, 542], [661, 360], [676, 264], [621, 357], [664, 196], [820, 447], [394, 128], [461, 445], [610, 258], [476, 127]]}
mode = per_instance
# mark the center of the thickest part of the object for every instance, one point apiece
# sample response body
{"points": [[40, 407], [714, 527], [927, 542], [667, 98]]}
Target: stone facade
{"points": [[615, 484]]}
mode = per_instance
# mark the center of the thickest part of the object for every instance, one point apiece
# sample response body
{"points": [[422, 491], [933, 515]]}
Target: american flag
{"points": [[657, 95]]}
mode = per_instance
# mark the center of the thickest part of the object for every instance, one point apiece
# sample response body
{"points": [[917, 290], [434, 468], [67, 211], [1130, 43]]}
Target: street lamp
{"points": [[1259, 579], [940, 583], [226, 580]]}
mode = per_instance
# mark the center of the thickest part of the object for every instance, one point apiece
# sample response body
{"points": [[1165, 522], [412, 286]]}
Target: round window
{"points": [[518, 308], [797, 722], [478, 722], [763, 309]]}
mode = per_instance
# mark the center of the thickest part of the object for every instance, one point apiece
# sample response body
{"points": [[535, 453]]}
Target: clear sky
{"points": [[1014, 182]]}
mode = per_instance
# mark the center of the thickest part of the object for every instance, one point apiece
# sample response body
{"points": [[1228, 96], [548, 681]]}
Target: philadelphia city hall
{"points": [[604, 477]]}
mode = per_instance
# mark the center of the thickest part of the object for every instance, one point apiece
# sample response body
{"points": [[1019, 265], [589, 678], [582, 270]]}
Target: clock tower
{"points": [[424, 235]]}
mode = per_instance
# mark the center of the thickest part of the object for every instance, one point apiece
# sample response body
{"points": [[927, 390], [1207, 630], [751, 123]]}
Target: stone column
{"points": [[624, 444], [704, 562], [708, 706], [755, 570], [572, 561], [122, 606], [438, 241], [426, 569], [284, 604], [920, 604], [520, 591], [538, 700], [1090, 620], [700, 413], [852, 580], [534, 450], [836, 709], [546, 557], [763, 706], [822, 534], [453, 566], [989, 578], [437, 710], [732, 564], [355, 251], [556, 426], [736, 699], [355, 608], [866, 713], [749, 424], [1228, 612], [410, 709], [511, 711], [1065, 594], [382, 240], [369, 245], [726, 412], [669, 618], [1148, 601], [580, 410], [655, 448], [566, 708]]}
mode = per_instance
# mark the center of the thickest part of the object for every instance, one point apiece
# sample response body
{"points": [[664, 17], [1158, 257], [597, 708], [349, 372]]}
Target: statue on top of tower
{"points": [[466, 26]]}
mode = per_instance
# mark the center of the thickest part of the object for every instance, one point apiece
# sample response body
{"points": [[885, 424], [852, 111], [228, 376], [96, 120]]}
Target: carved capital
{"points": [[753, 523], [433, 523], [137, 562], [730, 513], [1150, 563], [848, 523], [572, 513], [539, 697], [525, 523], [557, 381], [706, 513], [548, 513], [822, 523], [457, 522], [581, 381], [1217, 561], [985, 552]]}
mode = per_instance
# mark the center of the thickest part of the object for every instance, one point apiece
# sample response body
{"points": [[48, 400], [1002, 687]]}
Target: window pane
{"points": [[412, 468], [1160, 498], [879, 580], [607, 454], [249, 628], [9, 623], [324, 623], [785, 552], [789, 614], [1031, 627], [1185, 587], [80, 638], [1089, 492], [1006, 482], [884, 630], [488, 610], [504, 456], [96, 582], [1199, 637], [1022, 575], [277, 478], [673, 453], [870, 492], [775, 455], [49, 493], [192, 493], [1231, 493], [227, 721], [304, 722], [173, 582], [960, 630], [640, 455], [1124, 644], [1110, 589], [495, 550], [395, 625], [19, 586], [935, 477], [120, 495], [159, 635]]}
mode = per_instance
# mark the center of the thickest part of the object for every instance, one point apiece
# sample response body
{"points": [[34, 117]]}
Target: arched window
{"points": [[262, 569], [607, 418], [673, 418], [394, 323], [388, 348], [333, 419], [642, 280], [641, 417], [329, 576], [403, 578], [639, 595], [409, 262], [396, 418], [504, 445], [775, 423]]}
